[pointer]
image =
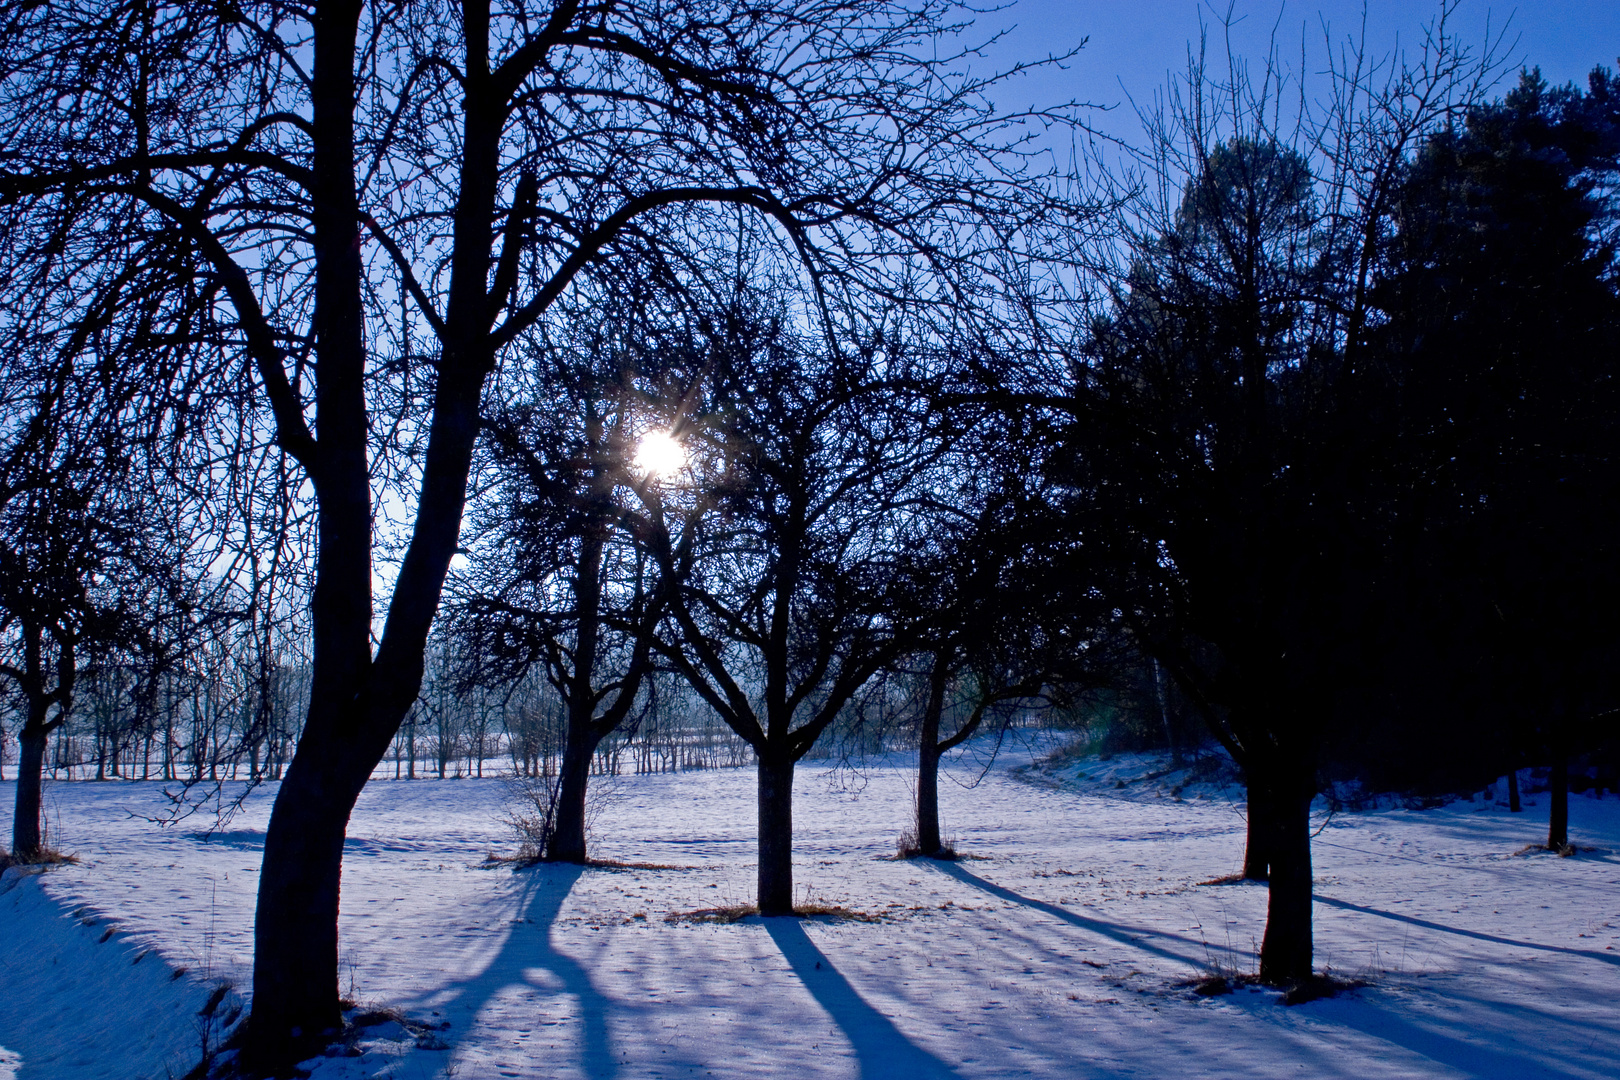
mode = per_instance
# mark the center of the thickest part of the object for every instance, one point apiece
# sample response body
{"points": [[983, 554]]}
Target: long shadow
{"points": [[1127, 935], [881, 1050], [1590, 954], [527, 947], [1500, 867], [1481, 1058]]}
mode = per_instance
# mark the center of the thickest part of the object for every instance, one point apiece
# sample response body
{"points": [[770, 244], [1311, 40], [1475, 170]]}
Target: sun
{"points": [[659, 454]]}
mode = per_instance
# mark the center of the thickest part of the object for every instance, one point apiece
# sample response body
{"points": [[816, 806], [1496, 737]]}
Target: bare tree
{"points": [[54, 614], [785, 541], [383, 198], [555, 582], [1011, 618], [95, 580]]}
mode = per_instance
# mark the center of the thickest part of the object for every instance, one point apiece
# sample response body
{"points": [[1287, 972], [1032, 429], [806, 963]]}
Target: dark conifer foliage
{"points": [[1503, 329], [1224, 447], [1229, 447]]}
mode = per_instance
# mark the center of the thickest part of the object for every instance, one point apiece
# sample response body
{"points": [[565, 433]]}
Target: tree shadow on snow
{"points": [[881, 1050], [1590, 954], [1476, 1051], [528, 948], [1125, 935]]}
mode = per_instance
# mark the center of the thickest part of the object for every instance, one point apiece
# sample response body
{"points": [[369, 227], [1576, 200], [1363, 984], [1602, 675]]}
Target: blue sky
{"points": [[1134, 43]]}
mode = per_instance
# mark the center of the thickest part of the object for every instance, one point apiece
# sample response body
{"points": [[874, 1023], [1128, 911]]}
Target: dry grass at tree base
{"points": [[1233, 879], [525, 860], [46, 857], [908, 848], [1563, 851], [1315, 988], [735, 913]]}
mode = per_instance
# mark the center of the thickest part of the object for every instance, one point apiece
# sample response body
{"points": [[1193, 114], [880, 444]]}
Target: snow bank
{"points": [[84, 997]]}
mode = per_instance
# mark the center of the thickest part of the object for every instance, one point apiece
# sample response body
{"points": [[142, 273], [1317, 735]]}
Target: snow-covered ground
{"points": [[1063, 948]]}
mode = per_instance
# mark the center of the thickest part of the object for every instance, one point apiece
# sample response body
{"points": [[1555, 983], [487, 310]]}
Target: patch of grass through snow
{"points": [[1315, 988], [735, 913], [46, 857], [526, 859], [1564, 851]]}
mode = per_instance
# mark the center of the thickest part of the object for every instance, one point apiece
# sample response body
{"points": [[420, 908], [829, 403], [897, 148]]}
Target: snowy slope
{"points": [[1064, 951], [80, 996]]}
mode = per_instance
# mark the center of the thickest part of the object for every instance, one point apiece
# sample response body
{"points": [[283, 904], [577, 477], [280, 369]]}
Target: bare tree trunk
{"points": [[928, 839], [568, 833], [295, 931], [31, 740], [1256, 852], [295, 986], [1164, 715], [1558, 791], [776, 835], [1286, 951], [1515, 805]]}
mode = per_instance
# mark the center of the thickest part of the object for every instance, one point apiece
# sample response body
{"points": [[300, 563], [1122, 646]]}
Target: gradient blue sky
{"points": [[1134, 43]]}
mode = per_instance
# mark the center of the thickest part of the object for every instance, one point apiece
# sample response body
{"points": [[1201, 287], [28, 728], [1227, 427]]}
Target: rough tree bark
{"points": [[26, 838], [775, 883], [1286, 950], [928, 753], [1261, 832], [1558, 793]]}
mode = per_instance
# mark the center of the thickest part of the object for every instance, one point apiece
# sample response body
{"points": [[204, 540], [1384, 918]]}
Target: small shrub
{"points": [[532, 815]]}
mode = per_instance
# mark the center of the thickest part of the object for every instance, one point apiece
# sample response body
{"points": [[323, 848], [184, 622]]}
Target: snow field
{"points": [[1063, 949]]}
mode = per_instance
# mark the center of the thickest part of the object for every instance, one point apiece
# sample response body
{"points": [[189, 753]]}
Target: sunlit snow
{"points": [[1064, 948]]}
